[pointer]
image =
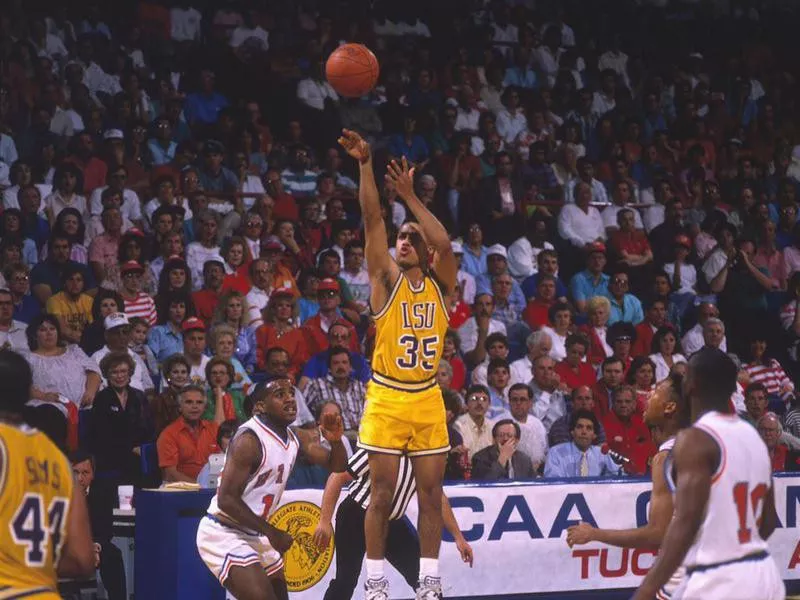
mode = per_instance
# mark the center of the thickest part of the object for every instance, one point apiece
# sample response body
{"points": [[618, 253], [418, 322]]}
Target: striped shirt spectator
{"points": [[338, 386]]}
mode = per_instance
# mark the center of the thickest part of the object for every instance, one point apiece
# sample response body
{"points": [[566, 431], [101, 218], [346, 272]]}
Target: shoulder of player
{"points": [[693, 447], [245, 447]]}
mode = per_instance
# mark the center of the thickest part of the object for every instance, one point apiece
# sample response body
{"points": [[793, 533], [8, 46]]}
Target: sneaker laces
{"points": [[377, 589]]}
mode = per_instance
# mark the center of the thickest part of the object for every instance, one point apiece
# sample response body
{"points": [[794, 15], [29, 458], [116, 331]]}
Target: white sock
{"points": [[428, 567], [374, 569]]}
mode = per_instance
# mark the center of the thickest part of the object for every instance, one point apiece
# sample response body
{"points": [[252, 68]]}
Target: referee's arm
{"points": [[333, 489]]}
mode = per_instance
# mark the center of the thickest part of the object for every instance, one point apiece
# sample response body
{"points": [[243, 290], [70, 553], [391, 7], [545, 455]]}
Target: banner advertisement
{"points": [[518, 534]]}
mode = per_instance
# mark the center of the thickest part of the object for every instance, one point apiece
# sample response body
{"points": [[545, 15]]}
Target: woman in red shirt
{"points": [[237, 257], [574, 370], [642, 376], [536, 313], [451, 353]]}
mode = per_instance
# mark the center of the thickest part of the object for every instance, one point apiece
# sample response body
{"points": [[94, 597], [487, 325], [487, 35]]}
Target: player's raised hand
{"points": [[355, 145], [402, 176], [332, 427], [323, 534], [580, 534]]}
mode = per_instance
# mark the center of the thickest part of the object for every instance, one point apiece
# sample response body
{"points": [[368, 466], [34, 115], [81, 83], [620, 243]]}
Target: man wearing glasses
{"points": [[624, 305], [340, 335], [318, 329]]}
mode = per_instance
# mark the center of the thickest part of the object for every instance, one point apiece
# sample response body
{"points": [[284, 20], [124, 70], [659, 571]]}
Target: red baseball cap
{"points": [[596, 247], [272, 245], [683, 240], [131, 266], [193, 323], [328, 284]]}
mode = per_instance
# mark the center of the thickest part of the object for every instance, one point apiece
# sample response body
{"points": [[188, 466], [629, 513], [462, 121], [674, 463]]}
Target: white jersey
{"points": [[264, 489], [729, 531], [668, 589]]}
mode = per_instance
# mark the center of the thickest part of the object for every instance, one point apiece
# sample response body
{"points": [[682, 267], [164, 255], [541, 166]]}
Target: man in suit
{"points": [[502, 460], [101, 500]]}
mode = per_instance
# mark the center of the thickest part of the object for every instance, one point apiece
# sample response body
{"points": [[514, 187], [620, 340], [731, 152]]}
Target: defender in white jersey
{"points": [[234, 539], [724, 498], [667, 413]]}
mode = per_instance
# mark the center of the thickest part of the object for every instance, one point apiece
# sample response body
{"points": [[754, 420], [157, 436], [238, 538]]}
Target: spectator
{"points": [[47, 276], [206, 300], [626, 431], [664, 352], [770, 429], [117, 336], [339, 336], [12, 332], [314, 330], [222, 397], [475, 253], [496, 346], [497, 378], [225, 433], [612, 376], [538, 308], [594, 190], [592, 282], [581, 399], [466, 281], [120, 422], [71, 306], [59, 369], [599, 310], [452, 354], [474, 332], [166, 339], [185, 444], [26, 306], [693, 339], [762, 369], [621, 337], [581, 224], [624, 305], [579, 457], [547, 264], [575, 371], [474, 427], [223, 344], [206, 247], [355, 275], [137, 302], [538, 344], [194, 346], [232, 310], [277, 363], [533, 436], [497, 264], [549, 403], [655, 318], [165, 406], [502, 460], [338, 386], [104, 303]]}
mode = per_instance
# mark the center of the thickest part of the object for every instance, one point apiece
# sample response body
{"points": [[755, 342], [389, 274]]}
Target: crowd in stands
{"points": [[621, 179]]}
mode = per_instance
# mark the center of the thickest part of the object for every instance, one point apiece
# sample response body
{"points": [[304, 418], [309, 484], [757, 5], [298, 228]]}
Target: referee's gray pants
{"points": [[402, 550]]}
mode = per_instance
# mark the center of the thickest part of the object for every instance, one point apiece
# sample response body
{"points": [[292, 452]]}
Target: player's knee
{"points": [[430, 497], [381, 497]]}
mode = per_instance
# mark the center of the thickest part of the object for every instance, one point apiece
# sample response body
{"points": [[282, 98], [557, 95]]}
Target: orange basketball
{"points": [[352, 70]]}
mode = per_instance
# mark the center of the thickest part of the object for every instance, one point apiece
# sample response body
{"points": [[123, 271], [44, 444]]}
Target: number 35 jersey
{"points": [[35, 492], [409, 338]]}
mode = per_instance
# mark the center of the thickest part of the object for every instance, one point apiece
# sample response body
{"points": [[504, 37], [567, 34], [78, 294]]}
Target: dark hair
{"points": [[521, 386], [583, 414], [755, 387], [502, 422], [221, 361], [610, 361], [637, 364], [71, 269], [713, 375], [112, 359], [477, 387], [495, 337], [272, 351], [336, 351], [352, 244], [227, 429], [576, 338], [496, 363], [452, 401], [556, 308], [122, 247], [618, 330], [658, 337], [79, 236], [103, 294], [79, 456], [33, 328], [16, 380], [165, 301], [330, 252], [171, 265], [63, 169], [173, 360]]}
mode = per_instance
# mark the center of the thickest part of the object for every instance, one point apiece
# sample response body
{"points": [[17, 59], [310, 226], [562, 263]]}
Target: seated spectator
{"points": [[47, 276], [597, 191], [71, 306], [523, 254], [165, 339], [59, 369], [537, 310], [622, 196], [502, 460], [222, 397], [474, 427], [621, 337], [194, 347], [137, 302], [549, 403], [538, 344], [206, 300], [277, 363], [497, 264], [560, 325], [117, 336], [642, 377], [339, 386], [770, 430], [464, 280], [596, 331], [756, 403], [580, 399], [475, 253], [547, 264], [693, 339], [12, 332], [655, 317], [496, 346], [185, 445], [457, 310], [665, 355], [206, 248], [579, 457], [681, 273], [632, 249], [355, 274], [225, 433], [768, 371], [575, 371], [120, 422], [280, 329], [533, 436], [581, 224], [592, 282], [497, 376], [104, 249], [223, 344], [314, 330], [165, 406], [138, 344], [612, 375], [624, 305], [26, 306], [339, 336], [474, 332]]}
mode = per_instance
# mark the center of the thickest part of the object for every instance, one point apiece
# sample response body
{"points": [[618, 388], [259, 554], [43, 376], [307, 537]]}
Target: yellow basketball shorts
{"points": [[398, 422]]}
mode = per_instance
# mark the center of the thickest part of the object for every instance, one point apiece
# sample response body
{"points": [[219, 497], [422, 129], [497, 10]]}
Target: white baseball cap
{"points": [[115, 320], [457, 247], [113, 134], [497, 249]]}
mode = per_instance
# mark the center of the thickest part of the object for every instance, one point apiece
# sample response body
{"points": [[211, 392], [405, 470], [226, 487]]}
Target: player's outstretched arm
{"points": [[450, 523], [696, 457], [444, 261], [241, 460], [332, 429], [383, 271], [77, 556], [648, 536], [333, 488]]}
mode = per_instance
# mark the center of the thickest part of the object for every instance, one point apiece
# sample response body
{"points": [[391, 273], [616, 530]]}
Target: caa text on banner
{"points": [[518, 532]]}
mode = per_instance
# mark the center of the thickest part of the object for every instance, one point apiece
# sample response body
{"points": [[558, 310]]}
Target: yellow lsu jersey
{"points": [[409, 336], [35, 493]]}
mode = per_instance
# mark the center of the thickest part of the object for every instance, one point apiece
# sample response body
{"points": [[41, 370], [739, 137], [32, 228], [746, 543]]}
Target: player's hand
{"points": [[402, 176], [332, 427], [580, 534], [323, 534], [280, 540], [355, 145], [465, 550]]}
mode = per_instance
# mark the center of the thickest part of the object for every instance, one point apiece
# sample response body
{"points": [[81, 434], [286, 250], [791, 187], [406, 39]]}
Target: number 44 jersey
{"points": [[35, 493]]}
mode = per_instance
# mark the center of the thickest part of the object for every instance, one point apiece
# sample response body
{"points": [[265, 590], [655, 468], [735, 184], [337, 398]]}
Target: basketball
{"points": [[352, 70]]}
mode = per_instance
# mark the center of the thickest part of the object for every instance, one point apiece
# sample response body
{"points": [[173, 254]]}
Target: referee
{"points": [[402, 544]]}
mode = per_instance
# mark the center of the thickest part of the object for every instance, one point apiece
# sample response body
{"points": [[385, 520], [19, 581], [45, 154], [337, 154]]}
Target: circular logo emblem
{"points": [[304, 563]]}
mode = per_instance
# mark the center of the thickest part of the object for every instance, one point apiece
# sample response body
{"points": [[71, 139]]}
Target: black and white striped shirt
{"points": [[406, 487]]}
